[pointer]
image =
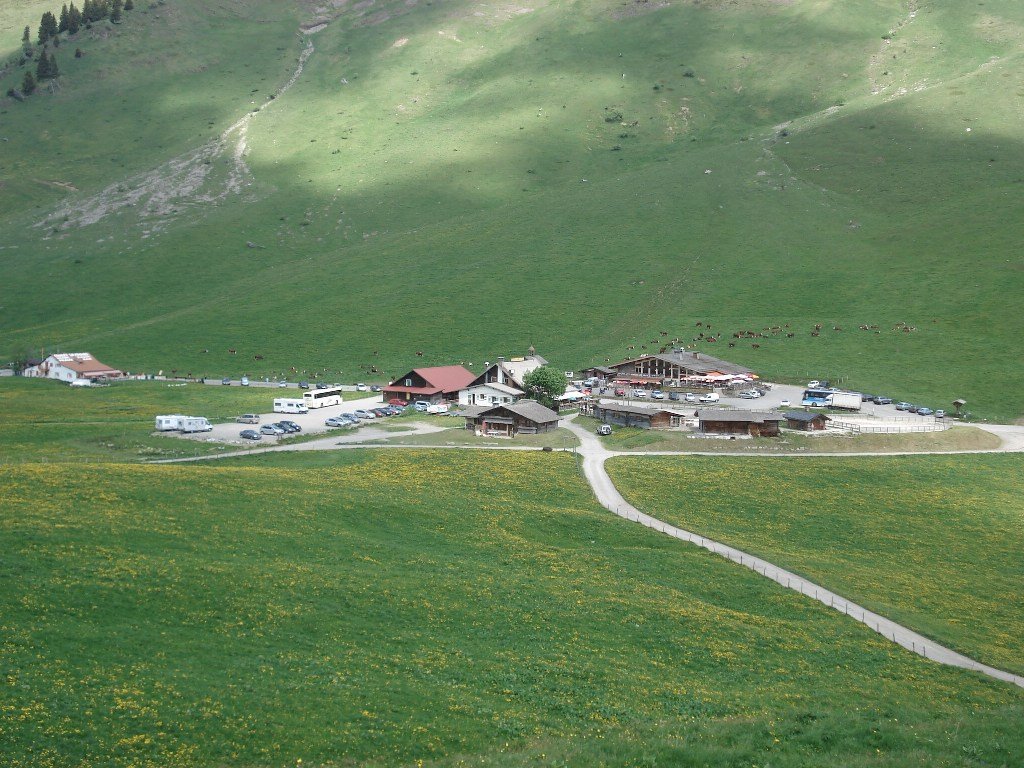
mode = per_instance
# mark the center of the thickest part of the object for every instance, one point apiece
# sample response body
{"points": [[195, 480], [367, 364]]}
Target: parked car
{"points": [[881, 400], [421, 405], [902, 406], [351, 417], [813, 384], [375, 388], [437, 408], [674, 396], [248, 418], [380, 413], [640, 394], [689, 397], [604, 429], [250, 434], [360, 387], [923, 411], [303, 385], [657, 395], [710, 397], [396, 401], [245, 381], [940, 413], [282, 384], [321, 385], [364, 414], [620, 392], [748, 395], [784, 404], [271, 429], [291, 426], [338, 421], [226, 381], [913, 408]]}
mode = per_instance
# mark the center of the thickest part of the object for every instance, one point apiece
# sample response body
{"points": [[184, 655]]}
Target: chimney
{"points": [[695, 355], [501, 359]]}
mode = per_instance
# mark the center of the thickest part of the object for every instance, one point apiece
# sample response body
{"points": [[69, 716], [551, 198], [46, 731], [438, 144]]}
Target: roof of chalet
{"points": [[505, 388], [804, 416], [528, 409], [80, 362], [693, 361], [725, 414], [441, 378]]}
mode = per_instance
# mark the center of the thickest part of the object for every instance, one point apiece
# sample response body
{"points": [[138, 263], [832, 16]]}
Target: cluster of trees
{"points": [[51, 27]]}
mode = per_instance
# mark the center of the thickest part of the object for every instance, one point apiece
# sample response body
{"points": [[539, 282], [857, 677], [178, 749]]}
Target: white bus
{"points": [[289, 405], [322, 398]]}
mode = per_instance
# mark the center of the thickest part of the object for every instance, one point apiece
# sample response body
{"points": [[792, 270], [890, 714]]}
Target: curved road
{"points": [[594, 456]]}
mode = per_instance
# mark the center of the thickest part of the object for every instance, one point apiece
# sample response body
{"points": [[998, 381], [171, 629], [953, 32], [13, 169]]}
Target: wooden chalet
{"points": [[525, 417], [636, 416], [723, 421], [679, 366], [805, 421], [433, 385]]}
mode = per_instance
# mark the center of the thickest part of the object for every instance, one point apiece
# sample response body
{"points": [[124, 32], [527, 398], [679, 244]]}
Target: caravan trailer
{"points": [[290, 405], [170, 423], [178, 423]]}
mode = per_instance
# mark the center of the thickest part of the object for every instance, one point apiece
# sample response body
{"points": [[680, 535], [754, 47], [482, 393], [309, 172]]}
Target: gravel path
{"points": [[594, 457]]}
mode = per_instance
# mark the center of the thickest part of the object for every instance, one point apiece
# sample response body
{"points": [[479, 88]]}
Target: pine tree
{"points": [[47, 28], [74, 19], [115, 12], [129, 5], [28, 85], [43, 67], [62, 24], [87, 12], [54, 69], [26, 36]]}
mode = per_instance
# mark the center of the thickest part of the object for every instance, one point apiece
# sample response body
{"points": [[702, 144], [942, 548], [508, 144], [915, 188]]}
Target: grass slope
{"points": [[368, 614], [931, 542], [473, 180]]}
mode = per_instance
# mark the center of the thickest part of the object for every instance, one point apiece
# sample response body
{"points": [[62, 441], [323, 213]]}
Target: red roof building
{"points": [[434, 385]]}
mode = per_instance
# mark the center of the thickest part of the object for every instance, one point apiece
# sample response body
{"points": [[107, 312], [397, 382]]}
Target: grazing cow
{"points": [[836, 328], [732, 344], [419, 354], [790, 335], [756, 346], [257, 357], [204, 351], [665, 333], [815, 333], [232, 351], [698, 324]]}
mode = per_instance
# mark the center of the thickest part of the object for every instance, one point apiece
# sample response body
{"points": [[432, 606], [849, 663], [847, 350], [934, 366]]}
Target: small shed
{"points": [[805, 421], [723, 421], [525, 417], [636, 416]]}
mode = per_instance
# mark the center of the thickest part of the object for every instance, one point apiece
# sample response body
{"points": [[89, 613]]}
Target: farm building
{"points": [[435, 385], [507, 373], [805, 421], [526, 417], [635, 416], [489, 394], [679, 365], [723, 421], [71, 366], [599, 372]]}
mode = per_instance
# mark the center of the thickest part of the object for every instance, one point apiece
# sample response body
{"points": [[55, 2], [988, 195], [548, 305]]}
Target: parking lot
{"points": [[311, 423]]}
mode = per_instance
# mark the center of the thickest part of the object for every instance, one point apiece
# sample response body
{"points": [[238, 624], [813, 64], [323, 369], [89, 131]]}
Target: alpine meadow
{"points": [[484, 383]]}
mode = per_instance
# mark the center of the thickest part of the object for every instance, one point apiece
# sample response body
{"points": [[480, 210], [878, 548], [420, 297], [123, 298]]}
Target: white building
{"points": [[502, 382], [489, 394], [71, 366]]}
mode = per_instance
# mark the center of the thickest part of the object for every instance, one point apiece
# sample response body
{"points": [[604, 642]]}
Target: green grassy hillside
{"points": [[367, 614], [464, 179], [931, 542]]}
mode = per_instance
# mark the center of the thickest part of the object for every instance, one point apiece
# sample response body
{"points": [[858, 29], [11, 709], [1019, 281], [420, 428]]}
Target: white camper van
{"points": [[196, 424], [289, 405]]}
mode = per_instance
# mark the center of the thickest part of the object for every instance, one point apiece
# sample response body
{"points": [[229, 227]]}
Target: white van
{"points": [[710, 397], [289, 405]]}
